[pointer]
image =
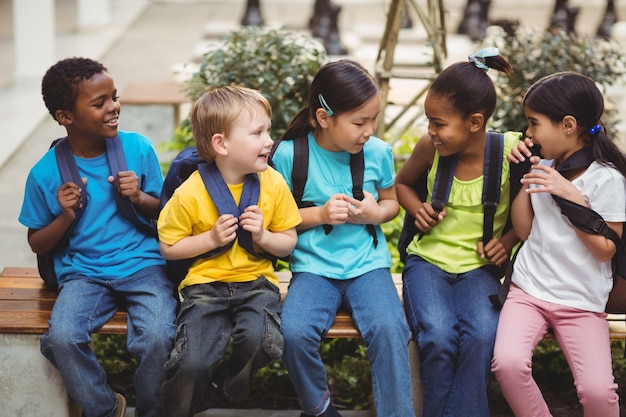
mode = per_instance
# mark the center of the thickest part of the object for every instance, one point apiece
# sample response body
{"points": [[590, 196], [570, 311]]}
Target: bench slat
{"points": [[26, 304]]}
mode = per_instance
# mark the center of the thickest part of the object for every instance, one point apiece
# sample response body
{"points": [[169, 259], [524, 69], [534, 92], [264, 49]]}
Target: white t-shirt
{"points": [[553, 264]]}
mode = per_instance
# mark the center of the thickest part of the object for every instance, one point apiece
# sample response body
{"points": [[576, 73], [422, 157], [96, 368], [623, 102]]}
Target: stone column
{"points": [[34, 37]]}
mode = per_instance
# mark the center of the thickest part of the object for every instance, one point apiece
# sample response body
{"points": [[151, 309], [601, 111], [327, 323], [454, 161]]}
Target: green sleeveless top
{"points": [[451, 244]]}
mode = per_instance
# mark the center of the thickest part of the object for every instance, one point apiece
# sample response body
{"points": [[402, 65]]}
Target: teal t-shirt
{"points": [[348, 251]]}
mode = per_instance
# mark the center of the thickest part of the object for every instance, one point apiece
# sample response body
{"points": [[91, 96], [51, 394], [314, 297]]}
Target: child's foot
{"points": [[120, 411], [331, 411]]}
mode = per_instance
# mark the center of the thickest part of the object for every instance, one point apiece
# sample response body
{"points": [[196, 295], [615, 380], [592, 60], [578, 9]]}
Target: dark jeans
{"points": [[210, 316]]}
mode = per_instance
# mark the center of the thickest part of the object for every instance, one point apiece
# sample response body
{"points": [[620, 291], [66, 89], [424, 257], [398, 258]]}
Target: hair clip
{"points": [[478, 58], [325, 105], [595, 129]]}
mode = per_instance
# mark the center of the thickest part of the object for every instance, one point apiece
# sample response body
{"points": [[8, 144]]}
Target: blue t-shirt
{"points": [[348, 250], [102, 244]]}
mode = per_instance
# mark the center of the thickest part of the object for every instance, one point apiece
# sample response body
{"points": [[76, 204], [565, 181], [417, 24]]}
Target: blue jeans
{"points": [[309, 310], [210, 315], [84, 305], [454, 324]]}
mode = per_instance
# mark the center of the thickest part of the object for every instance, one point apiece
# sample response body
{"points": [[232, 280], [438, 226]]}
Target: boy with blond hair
{"points": [[231, 293]]}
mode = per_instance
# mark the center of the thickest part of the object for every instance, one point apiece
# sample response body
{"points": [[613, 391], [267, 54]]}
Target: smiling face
{"points": [[96, 111], [247, 144], [447, 128], [348, 131], [557, 139]]}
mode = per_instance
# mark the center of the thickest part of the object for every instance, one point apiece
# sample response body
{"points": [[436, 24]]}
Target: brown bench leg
{"points": [[416, 380]]}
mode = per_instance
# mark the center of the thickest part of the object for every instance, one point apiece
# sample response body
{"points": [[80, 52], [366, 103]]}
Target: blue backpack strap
{"points": [[117, 163], [225, 203], [492, 178], [69, 173]]}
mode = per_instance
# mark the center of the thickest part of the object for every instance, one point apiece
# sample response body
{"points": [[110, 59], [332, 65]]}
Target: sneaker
{"points": [[120, 411], [331, 411]]}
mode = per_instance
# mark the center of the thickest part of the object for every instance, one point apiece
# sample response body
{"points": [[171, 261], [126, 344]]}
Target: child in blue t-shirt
{"points": [[346, 265], [107, 263]]}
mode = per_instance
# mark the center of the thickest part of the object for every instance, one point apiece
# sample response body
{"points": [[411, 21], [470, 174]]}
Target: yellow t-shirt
{"points": [[190, 211], [451, 244]]}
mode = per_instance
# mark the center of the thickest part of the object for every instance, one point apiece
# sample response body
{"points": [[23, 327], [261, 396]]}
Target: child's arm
{"points": [[415, 166], [277, 243], [47, 238], [127, 184], [498, 250], [224, 231]]}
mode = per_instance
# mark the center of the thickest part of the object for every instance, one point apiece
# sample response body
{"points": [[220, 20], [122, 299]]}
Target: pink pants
{"points": [[584, 340]]}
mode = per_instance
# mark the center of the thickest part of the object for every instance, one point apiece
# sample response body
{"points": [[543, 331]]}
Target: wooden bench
{"points": [[25, 307]]}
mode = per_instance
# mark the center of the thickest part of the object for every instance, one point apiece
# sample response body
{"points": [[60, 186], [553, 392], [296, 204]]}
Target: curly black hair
{"points": [[59, 86]]}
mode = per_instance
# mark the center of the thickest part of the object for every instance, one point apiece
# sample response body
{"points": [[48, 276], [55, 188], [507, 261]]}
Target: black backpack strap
{"points": [[225, 203], [444, 177], [357, 171], [117, 163], [443, 182], [300, 169], [492, 178]]}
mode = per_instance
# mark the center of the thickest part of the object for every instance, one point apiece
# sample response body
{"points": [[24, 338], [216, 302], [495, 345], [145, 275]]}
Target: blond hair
{"points": [[216, 110]]}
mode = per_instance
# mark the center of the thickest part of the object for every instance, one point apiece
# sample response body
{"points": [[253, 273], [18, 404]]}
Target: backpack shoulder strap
{"points": [[443, 182], [225, 203], [357, 171], [117, 163], [492, 178], [300, 174], [69, 172]]}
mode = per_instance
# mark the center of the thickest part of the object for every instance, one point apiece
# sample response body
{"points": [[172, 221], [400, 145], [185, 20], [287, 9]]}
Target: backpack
{"points": [[69, 172], [187, 162], [443, 183], [589, 221], [299, 178]]}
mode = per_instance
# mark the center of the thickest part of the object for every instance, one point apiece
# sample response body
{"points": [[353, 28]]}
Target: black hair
{"points": [[467, 88], [573, 94], [343, 85], [59, 86]]}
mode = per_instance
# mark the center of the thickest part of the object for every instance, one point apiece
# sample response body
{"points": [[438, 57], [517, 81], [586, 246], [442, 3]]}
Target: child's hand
{"points": [[522, 151], [252, 221], [127, 184], [224, 231], [549, 180], [426, 217], [69, 197], [364, 211], [335, 211], [494, 251]]}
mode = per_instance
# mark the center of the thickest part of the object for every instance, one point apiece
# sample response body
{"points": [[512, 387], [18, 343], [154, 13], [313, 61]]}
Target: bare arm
{"points": [[416, 166], [127, 184]]}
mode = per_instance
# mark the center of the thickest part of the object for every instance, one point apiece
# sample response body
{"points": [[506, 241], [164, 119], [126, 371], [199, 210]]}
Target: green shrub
{"points": [[534, 54], [279, 63]]}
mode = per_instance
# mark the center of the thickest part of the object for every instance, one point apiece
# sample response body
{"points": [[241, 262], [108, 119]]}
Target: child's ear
{"points": [[476, 122], [219, 143], [63, 117], [323, 119], [570, 124]]}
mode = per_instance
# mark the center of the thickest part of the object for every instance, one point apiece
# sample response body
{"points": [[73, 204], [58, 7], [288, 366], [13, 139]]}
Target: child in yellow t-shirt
{"points": [[233, 294]]}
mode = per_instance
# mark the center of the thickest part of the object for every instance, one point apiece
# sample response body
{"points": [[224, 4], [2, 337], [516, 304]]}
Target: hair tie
{"points": [[325, 105], [595, 129], [478, 58]]}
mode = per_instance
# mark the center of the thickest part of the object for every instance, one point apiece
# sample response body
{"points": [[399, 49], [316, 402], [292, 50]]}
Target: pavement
{"points": [[149, 40]]}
